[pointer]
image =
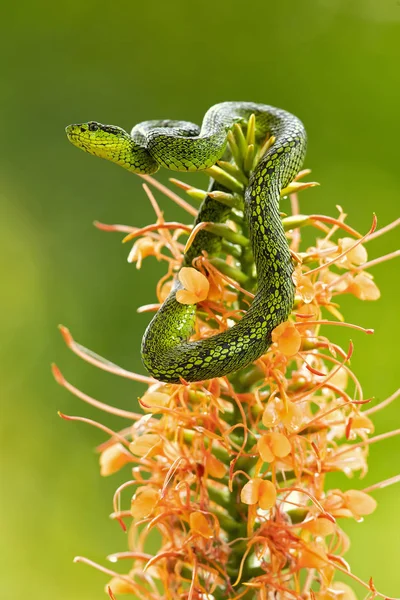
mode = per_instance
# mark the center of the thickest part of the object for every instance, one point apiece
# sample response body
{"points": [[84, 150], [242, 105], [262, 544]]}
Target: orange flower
{"points": [[341, 591], [289, 414], [353, 503], [306, 289], [154, 401], [165, 290], [312, 556], [363, 287], [120, 586], [354, 257], [215, 467], [200, 526], [320, 527], [273, 445], [146, 444], [144, 502], [113, 459], [361, 424], [142, 248], [287, 338], [195, 285], [259, 491]]}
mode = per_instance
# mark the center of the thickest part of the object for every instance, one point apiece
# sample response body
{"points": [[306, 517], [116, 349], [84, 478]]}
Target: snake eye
{"points": [[93, 127]]}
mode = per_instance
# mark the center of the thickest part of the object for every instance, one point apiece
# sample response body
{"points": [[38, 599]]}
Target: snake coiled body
{"points": [[166, 350]]}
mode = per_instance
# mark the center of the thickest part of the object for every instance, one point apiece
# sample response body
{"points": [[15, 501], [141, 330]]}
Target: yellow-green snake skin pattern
{"points": [[181, 146]]}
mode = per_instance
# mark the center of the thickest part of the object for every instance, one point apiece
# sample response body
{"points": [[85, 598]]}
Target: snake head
{"points": [[114, 144], [105, 141]]}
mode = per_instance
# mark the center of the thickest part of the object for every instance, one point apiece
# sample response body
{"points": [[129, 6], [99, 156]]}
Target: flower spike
{"points": [[232, 473]]}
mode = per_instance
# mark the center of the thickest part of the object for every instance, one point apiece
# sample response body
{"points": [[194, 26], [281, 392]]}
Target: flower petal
{"points": [[200, 525], [195, 282]]}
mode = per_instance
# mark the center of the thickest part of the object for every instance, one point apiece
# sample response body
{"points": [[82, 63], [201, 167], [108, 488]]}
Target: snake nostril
{"points": [[83, 129]]}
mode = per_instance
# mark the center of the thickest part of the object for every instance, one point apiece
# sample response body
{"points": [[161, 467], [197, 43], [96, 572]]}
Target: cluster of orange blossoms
{"points": [[231, 472]]}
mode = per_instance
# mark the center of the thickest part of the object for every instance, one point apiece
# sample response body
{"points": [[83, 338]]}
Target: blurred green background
{"points": [[333, 63]]}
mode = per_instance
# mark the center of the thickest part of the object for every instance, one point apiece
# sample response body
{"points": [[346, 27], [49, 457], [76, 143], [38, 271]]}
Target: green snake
{"points": [[167, 352]]}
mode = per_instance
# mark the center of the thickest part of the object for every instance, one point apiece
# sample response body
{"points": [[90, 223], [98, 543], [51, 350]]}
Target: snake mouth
{"points": [[74, 133], [69, 130], [95, 139], [79, 136]]}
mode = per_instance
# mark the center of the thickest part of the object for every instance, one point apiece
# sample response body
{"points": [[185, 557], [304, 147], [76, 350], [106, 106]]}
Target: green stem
{"points": [[231, 272], [226, 180], [231, 249], [227, 233]]}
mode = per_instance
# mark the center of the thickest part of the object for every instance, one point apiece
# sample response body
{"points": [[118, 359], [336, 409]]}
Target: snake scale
{"points": [[167, 352]]}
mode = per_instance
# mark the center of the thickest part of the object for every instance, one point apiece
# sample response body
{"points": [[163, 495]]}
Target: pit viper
{"points": [[167, 351]]}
